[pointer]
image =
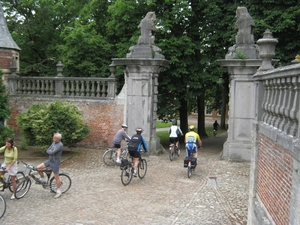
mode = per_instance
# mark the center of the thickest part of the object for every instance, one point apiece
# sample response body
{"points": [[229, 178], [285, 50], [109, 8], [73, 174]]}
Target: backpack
{"points": [[134, 142], [191, 143]]}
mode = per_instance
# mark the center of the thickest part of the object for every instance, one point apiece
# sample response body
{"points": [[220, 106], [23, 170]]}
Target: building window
{"points": [[208, 110]]}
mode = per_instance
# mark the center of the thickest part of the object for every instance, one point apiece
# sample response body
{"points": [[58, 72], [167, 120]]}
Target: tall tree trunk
{"points": [[183, 115], [201, 114]]}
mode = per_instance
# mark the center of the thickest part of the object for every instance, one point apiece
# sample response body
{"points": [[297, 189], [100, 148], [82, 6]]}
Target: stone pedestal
{"points": [[241, 108], [141, 106]]}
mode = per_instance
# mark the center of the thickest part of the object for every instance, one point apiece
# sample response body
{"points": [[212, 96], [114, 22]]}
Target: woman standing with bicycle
{"points": [[134, 148], [10, 163]]}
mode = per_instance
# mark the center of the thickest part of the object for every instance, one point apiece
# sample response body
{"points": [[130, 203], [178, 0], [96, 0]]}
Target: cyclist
{"points": [[174, 133], [54, 151], [215, 125], [192, 140], [134, 148], [120, 135], [10, 163]]}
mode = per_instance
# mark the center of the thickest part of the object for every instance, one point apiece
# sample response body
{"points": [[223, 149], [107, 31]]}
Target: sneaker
{"points": [[118, 161], [12, 197], [58, 194], [134, 173]]}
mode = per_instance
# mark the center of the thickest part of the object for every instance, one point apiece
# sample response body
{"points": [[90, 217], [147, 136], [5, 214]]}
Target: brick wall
{"points": [[5, 58], [274, 179], [103, 117]]}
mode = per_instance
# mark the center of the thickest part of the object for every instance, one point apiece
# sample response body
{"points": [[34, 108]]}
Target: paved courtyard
{"points": [[217, 193]]}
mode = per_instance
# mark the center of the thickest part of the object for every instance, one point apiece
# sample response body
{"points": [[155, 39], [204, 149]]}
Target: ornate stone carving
{"points": [[147, 26], [244, 47], [145, 47], [245, 26]]}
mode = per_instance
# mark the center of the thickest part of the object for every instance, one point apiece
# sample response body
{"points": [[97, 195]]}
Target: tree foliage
{"points": [[193, 35], [5, 131], [41, 121]]}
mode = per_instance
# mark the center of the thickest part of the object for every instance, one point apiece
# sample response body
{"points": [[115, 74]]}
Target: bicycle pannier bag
{"points": [[193, 161], [185, 162], [134, 142], [124, 163]]}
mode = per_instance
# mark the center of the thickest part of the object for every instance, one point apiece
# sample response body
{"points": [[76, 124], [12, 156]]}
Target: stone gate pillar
{"points": [[141, 68], [242, 62]]}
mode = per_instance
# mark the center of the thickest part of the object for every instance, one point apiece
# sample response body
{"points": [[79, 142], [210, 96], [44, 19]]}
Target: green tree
{"points": [[5, 131], [41, 121], [36, 27], [85, 49]]}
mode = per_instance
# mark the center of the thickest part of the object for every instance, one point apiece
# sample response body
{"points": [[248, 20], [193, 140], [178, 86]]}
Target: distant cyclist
{"points": [[174, 133], [120, 135], [192, 141], [134, 148], [216, 126]]}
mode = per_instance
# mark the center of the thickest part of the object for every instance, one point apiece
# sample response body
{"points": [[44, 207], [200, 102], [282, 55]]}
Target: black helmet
{"points": [[174, 122], [124, 125], [139, 130]]}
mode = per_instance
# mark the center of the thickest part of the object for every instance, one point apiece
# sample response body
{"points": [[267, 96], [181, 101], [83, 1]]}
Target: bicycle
{"points": [[190, 163], [128, 169], [2, 206], [215, 132], [110, 155], [65, 181], [173, 150], [5, 181]]}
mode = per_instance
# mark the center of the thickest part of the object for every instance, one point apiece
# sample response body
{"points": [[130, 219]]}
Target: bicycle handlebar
{"points": [[27, 165]]}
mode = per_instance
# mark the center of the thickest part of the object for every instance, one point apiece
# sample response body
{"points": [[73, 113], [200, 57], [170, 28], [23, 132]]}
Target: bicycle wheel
{"points": [[126, 175], [19, 177], [110, 157], [178, 150], [65, 183], [2, 206], [172, 152], [142, 168], [23, 188], [189, 170]]}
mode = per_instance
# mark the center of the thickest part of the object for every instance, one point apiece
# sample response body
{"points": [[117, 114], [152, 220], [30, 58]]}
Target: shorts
{"points": [[190, 147], [53, 165], [173, 139], [13, 170], [117, 145], [134, 154]]}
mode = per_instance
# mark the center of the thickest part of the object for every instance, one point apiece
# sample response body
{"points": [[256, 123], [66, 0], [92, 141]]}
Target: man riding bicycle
{"points": [[54, 152], [134, 148], [174, 132], [120, 135], [192, 140]]}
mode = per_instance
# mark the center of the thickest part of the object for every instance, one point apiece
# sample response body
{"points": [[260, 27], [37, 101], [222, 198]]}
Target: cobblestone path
{"points": [[217, 193]]}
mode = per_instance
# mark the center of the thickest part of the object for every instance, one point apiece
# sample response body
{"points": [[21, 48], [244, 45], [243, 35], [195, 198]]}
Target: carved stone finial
{"points": [[245, 26], [147, 26], [244, 47], [145, 47], [59, 69], [267, 50]]}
